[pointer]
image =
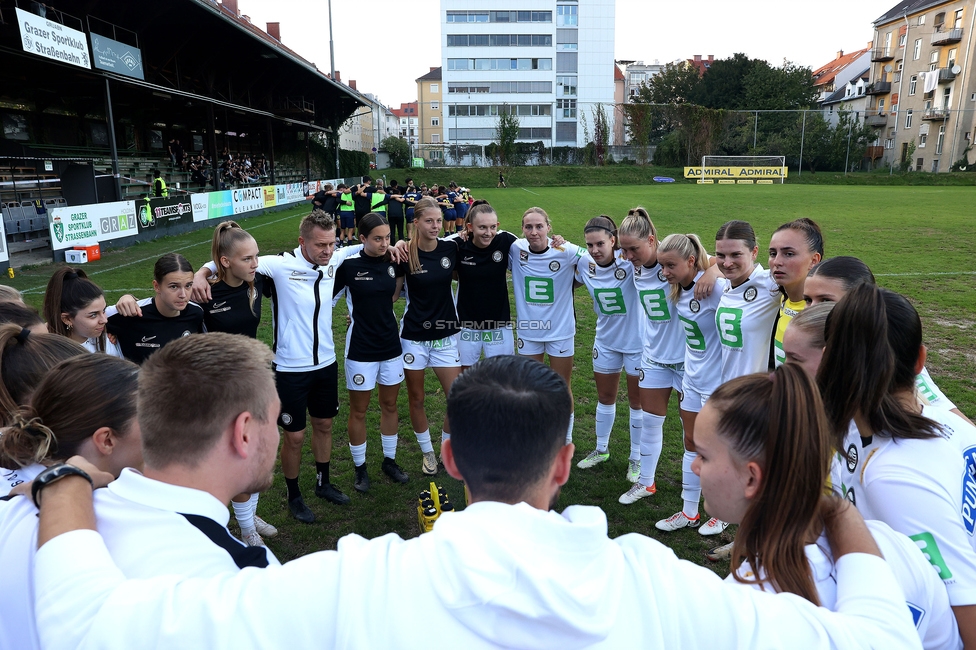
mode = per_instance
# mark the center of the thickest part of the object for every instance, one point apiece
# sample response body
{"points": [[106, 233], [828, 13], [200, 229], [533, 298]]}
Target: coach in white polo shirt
{"points": [[509, 572], [201, 446]]}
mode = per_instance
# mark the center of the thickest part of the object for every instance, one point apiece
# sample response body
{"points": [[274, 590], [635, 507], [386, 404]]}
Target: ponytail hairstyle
{"points": [[479, 208], [873, 341], [848, 270], [24, 360], [811, 232], [371, 221], [686, 246], [638, 224], [69, 291], [413, 247], [777, 420], [171, 263], [20, 314], [76, 398], [603, 222], [227, 235], [738, 230], [812, 321]]}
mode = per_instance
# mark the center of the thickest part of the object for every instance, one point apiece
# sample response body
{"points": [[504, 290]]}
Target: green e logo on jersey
{"points": [[655, 304], [610, 301], [539, 290], [930, 549], [729, 323], [925, 389], [693, 334]]}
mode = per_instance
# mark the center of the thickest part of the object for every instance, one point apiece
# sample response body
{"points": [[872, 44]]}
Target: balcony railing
{"points": [[947, 37], [877, 120], [935, 114], [882, 54], [946, 74], [874, 152], [878, 88]]}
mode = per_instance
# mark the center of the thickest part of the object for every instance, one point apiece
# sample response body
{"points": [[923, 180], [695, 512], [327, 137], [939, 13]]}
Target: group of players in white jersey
{"points": [[792, 380]]}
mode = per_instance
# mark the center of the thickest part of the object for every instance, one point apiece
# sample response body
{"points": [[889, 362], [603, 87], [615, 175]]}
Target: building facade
{"points": [[550, 62], [923, 87], [407, 122], [429, 107]]}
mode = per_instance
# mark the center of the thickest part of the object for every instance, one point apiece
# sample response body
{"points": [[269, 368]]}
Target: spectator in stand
{"points": [[159, 185]]}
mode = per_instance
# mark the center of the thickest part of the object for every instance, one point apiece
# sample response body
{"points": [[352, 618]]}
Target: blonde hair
{"points": [[227, 235], [812, 321], [686, 246], [423, 205], [9, 294], [315, 219], [536, 210], [637, 224]]}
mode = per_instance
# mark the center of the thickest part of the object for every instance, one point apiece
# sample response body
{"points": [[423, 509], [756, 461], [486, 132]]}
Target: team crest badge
{"points": [[750, 294], [391, 272], [694, 306], [58, 229], [851, 458], [445, 263], [553, 266], [185, 333], [285, 419], [358, 379], [496, 256], [331, 271], [596, 353], [660, 276], [408, 358], [640, 375], [592, 269], [523, 256], [620, 274], [520, 344]]}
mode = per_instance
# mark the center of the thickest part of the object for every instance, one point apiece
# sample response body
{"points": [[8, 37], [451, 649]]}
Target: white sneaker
{"points": [[712, 527], [633, 471], [636, 493], [264, 528], [430, 463], [252, 539], [720, 553], [676, 521], [594, 458]]}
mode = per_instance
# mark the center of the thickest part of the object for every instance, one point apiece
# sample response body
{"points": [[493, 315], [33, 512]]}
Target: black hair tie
{"points": [[22, 336]]}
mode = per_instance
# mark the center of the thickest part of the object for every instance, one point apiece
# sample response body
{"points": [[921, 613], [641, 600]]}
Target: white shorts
{"points": [[563, 348], [364, 375], [655, 375], [692, 401], [442, 353], [611, 362], [493, 343]]}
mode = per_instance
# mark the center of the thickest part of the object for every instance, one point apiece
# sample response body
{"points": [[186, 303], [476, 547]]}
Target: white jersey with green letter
{"points": [[928, 389], [703, 356], [619, 321], [543, 285], [745, 318], [921, 488], [664, 340]]}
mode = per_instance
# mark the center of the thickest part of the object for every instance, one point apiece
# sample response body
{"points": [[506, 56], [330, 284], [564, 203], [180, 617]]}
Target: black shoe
{"points": [[391, 469], [362, 479], [331, 493], [300, 511]]}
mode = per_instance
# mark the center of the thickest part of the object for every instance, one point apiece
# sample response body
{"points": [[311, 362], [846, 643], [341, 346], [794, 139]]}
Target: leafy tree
{"points": [[506, 133], [673, 86], [724, 83], [826, 147], [601, 135], [399, 151]]}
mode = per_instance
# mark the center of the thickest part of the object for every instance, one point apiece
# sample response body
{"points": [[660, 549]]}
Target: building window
{"points": [[566, 15], [566, 132], [881, 105], [939, 21], [565, 108], [902, 39], [921, 20], [922, 138], [957, 22], [567, 62], [889, 143], [500, 87], [951, 58], [499, 16], [912, 82], [568, 85], [908, 119], [940, 141], [915, 54], [946, 98], [935, 166], [434, 106], [919, 163], [435, 88], [435, 138], [435, 121], [499, 40]]}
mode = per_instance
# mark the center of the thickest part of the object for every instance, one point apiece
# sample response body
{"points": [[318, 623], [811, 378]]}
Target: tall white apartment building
{"points": [[551, 61]]}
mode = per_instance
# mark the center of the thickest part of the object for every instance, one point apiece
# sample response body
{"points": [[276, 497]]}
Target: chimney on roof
{"points": [[697, 58], [352, 83], [432, 68], [231, 5], [246, 19], [840, 53], [338, 77], [274, 31]]}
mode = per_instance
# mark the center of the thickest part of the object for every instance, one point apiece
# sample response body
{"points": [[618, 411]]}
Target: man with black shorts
{"points": [[299, 283]]}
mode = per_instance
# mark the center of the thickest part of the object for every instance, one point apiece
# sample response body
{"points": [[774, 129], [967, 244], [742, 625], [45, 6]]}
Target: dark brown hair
{"points": [[19, 314], [68, 292], [810, 230], [739, 230], [24, 360], [170, 263], [604, 223]]}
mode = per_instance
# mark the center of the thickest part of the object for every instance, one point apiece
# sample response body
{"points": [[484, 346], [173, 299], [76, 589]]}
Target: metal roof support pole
{"points": [[111, 142], [271, 172], [215, 167], [308, 157]]}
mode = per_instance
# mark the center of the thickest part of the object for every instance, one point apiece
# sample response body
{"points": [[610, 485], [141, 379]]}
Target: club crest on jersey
{"points": [[496, 256], [620, 274], [358, 379], [694, 306], [519, 343], [596, 353], [591, 271], [553, 266], [523, 256], [445, 263], [185, 333], [391, 272], [640, 375], [285, 419], [331, 271], [750, 294], [660, 275], [852, 458], [408, 358]]}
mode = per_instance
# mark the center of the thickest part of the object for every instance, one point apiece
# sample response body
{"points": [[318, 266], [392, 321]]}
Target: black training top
{"points": [[139, 336], [370, 284], [482, 298], [430, 313], [230, 309]]}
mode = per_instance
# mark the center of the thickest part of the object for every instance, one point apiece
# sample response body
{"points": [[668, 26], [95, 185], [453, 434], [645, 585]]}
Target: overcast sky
{"points": [[386, 44]]}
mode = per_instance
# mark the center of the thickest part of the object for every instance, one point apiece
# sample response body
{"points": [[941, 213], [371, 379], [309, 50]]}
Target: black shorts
{"points": [[316, 391]]}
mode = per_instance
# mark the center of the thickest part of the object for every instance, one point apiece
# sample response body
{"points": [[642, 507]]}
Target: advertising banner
{"points": [[294, 192], [86, 225], [270, 197], [156, 213], [212, 205], [247, 199], [736, 172], [113, 56], [52, 40], [4, 255]]}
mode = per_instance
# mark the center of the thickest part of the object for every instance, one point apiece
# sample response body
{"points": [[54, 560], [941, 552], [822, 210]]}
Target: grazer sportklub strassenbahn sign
{"points": [[52, 40]]}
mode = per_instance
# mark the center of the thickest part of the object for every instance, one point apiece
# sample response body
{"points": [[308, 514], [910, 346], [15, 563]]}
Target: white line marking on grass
{"points": [[922, 275], [529, 191], [43, 287]]}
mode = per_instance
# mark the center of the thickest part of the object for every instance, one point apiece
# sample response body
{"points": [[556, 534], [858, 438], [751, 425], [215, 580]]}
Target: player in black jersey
{"points": [[154, 322], [430, 328], [372, 282]]}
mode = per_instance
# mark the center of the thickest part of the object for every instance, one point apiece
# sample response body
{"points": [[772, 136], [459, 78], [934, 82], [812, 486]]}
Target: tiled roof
{"points": [[433, 75]]}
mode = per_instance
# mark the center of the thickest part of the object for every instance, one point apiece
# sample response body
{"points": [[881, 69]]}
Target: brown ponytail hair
{"points": [[777, 420], [603, 222], [69, 291], [423, 205], [24, 360], [686, 246], [76, 398], [227, 235]]}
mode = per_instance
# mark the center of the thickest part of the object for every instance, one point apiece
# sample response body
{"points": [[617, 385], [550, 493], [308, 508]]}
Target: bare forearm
{"points": [[66, 506]]}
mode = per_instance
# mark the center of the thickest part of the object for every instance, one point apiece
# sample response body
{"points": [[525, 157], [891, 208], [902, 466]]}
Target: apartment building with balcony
{"points": [[407, 121], [834, 76], [549, 61], [923, 86]]}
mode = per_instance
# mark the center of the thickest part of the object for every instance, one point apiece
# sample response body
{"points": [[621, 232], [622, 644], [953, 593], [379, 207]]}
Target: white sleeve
{"points": [[210, 266], [930, 391], [340, 255]]}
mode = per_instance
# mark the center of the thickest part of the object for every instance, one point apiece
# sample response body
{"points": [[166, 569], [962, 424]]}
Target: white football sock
{"points": [[423, 439], [389, 445], [244, 513], [690, 485], [605, 415], [636, 418], [358, 453], [652, 442], [569, 431]]}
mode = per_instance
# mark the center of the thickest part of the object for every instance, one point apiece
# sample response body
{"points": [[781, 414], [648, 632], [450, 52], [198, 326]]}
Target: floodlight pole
{"points": [[803, 134], [335, 124]]}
